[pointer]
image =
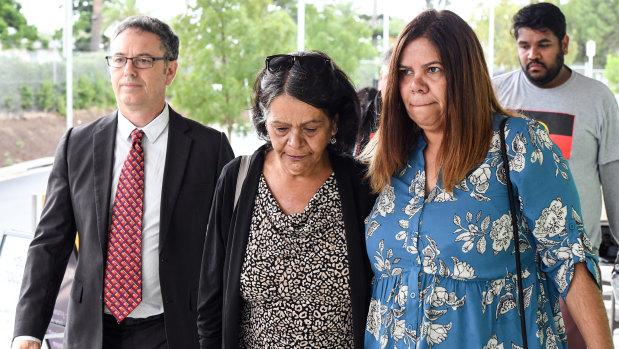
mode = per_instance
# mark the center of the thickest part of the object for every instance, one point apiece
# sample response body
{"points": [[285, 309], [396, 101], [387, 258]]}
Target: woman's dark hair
{"points": [[540, 17], [470, 103], [369, 101], [329, 90]]}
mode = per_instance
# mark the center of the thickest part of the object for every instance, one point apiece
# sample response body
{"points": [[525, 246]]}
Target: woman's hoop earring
{"points": [[332, 140]]}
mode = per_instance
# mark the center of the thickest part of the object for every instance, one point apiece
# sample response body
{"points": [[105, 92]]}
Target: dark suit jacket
{"points": [[219, 303], [78, 200]]}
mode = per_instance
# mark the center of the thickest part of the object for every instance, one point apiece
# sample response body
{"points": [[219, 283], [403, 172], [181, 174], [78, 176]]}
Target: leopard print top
{"points": [[295, 279]]}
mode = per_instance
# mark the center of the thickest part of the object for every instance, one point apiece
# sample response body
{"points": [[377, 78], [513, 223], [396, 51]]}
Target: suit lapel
{"points": [[103, 157], [176, 161]]}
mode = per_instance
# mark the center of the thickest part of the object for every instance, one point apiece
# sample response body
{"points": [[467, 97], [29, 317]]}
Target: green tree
{"points": [[88, 26], [61, 107], [14, 28], [84, 94], [593, 20], [337, 30], [82, 9], [224, 43], [27, 97], [46, 96], [104, 95], [115, 11], [8, 104], [340, 32], [505, 49], [395, 26], [612, 72]]}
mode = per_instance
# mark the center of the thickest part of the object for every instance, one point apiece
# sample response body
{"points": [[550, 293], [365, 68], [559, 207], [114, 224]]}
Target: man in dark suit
{"points": [[136, 186]]}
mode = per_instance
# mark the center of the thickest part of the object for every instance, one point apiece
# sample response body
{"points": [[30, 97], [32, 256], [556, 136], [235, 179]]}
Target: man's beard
{"points": [[551, 72]]}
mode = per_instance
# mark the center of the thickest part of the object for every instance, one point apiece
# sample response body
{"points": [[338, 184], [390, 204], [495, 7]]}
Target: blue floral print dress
{"points": [[444, 265]]}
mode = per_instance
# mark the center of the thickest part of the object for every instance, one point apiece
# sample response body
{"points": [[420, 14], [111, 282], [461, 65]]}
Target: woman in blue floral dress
{"points": [[440, 234]]}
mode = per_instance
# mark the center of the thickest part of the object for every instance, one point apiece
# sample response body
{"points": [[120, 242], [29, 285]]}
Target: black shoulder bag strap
{"points": [[512, 207]]}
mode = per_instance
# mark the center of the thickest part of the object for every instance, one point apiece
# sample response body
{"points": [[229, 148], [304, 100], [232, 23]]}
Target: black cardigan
{"points": [[219, 297]]}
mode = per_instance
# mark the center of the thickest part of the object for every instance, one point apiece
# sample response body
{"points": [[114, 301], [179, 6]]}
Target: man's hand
{"points": [[22, 344]]}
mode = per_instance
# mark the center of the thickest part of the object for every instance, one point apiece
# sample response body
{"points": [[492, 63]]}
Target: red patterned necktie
{"points": [[123, 270]]}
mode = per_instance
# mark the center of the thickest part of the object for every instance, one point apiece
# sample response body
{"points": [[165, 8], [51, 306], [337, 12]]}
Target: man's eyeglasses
{"points": [[138, 62], [312, 64]]}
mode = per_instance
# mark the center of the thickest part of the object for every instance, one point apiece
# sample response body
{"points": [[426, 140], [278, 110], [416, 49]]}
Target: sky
{"points": [[48, 15]]}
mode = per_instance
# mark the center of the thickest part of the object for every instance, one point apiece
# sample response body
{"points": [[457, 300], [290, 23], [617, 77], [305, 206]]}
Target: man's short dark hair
{"points": [[169, 40], [541, 16]]}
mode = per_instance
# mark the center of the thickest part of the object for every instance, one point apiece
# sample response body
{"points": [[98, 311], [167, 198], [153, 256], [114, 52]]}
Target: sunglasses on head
{"points": [[312, 64]]}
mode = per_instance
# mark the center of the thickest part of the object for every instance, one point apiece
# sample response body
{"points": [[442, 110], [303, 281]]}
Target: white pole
{"points": [[68, 51], [301, 26], [37, 208], [590, 51], [385, 27], [491, 40]]}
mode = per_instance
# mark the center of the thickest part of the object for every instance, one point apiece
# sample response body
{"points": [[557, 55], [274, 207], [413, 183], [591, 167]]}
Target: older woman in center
{"points": [[286, 266], [440, 234]]}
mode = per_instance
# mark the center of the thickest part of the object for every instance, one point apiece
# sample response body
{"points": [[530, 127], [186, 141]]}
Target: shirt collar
{"points": [[152, 130]]}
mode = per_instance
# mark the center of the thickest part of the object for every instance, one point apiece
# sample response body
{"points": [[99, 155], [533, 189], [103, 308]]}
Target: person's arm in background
{"points": [[609, 176], [584, 300], [608, 158]]}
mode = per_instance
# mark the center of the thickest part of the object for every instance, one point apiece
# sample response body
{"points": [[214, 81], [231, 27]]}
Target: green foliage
{"points": [[89, 67], [46, 96], [338, 31], [114, 11], [505, 48], [14, 29], [593, 20], [7, 159], [104, 95], [91, 85], [612, 72], [82, 26], [82, 9], [84, 93], [27, 97], [61, 105], [17, 72], [223, 45], [8, 103]]}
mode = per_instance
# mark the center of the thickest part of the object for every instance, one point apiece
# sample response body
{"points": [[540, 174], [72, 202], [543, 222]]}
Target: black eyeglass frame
{"points": [[302, 61], [152, 63]]}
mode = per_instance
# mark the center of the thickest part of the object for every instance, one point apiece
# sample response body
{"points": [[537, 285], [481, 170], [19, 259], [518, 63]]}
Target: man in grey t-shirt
{"points": [[581, 115]]}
